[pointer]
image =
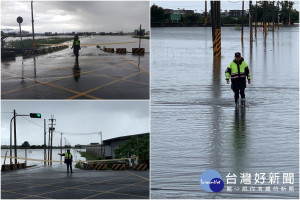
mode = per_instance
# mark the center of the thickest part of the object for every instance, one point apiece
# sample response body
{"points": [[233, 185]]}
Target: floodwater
{"points": [[39, 154], [103, 40], [196, 127]]}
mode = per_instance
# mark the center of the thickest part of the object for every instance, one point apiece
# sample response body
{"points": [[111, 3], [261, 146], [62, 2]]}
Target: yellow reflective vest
{"points": [[68, 156], [237, 70], [76, 42]]}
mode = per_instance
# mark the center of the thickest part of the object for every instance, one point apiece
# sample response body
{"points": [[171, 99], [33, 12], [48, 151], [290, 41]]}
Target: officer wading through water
{"points": [[76, 46], [68, 160], [237, 71]]}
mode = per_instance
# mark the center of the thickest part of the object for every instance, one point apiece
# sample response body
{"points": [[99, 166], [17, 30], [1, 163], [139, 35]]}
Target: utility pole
{"points": [[15, 137], [212, 19], [216, 27], [256, 20], [60, 146], [205, 14], [242, 33], [52, 123], [33, 40], [10, 144], [100, 133], [138, 146], [250, 22], [278, 15], [140, 33], [45, 133], [49, 146], [273, 17], [265, 18]]}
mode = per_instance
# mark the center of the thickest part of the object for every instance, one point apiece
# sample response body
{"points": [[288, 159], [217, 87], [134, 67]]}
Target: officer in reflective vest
{"points": [[76, 46], [68, 160], [237, 71]]}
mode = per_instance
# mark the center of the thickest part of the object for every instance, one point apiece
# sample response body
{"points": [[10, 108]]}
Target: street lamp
{"points": [[37, 115]]}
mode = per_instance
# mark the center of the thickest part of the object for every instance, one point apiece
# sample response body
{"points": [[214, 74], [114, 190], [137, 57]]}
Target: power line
{"points": [[70, 133], [32, 122]]}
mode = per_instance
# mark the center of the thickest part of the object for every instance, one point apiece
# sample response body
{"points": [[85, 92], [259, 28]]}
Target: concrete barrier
{"points": [[110, 50], [118, 166], [8, 54], [45, 50], [28, 52], [101, 167], [13, 167], [138, 50], [121, 50], [5, 168], [88, 166], [50, 49], [140, 167]]}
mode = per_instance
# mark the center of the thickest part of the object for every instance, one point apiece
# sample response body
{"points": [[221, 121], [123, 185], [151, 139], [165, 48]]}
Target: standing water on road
{"points": [[196, 127]]}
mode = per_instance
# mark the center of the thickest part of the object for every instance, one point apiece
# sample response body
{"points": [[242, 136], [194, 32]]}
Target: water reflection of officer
{"points": [[76, 46], [239, 127], [76, 71]]}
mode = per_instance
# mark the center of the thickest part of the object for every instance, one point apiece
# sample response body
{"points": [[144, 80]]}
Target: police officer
{"points": [[68, 160], [76, 46], [237, 71]]}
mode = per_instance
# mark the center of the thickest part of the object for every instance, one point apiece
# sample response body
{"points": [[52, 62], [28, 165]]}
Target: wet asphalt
{"points": [[57, 75], [55, 183]]}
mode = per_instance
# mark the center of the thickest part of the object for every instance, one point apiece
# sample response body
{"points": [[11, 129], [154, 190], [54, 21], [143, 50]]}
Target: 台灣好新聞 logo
{"points": [[211, 181]]}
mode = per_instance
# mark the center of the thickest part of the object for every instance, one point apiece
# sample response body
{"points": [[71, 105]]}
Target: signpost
{"points": [[20, 20]]}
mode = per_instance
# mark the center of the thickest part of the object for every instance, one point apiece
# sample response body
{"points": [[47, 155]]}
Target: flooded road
{"points": [[39, 154], [195, 125], [97, 75]]}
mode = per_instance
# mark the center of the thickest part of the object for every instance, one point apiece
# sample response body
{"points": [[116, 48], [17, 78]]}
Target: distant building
{"points": [[48, 33], [136, 32], [237, 13], [94, 148], [225, 13], [109, 146], [183, 12], [93, 144], [168, 11]]}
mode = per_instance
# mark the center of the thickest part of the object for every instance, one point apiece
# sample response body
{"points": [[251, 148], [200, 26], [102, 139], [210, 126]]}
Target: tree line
{"points": [[265, 10]]}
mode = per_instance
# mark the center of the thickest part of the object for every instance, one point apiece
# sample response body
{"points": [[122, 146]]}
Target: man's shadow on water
{"points": [[76, 71]]}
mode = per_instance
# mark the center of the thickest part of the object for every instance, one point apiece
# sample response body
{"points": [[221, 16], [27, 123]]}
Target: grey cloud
{"points": [[114, 118], [78, 15]]}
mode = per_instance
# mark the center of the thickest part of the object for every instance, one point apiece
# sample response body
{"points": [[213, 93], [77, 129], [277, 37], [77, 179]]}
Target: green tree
{"points": [[191, 18], [158, 14], [26, 144], [135, 146]]}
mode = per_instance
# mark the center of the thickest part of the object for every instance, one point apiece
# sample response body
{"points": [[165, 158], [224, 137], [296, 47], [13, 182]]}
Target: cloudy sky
{"points": [[200, 5], [113, 118], [69, 16]]}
